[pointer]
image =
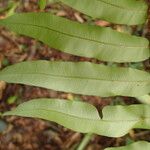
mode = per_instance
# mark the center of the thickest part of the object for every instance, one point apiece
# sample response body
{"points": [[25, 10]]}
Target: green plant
{"points": [[84, 77], [42, 3]]}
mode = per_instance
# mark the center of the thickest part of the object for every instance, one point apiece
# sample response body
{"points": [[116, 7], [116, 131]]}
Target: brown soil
{"points": [[36, 134]]}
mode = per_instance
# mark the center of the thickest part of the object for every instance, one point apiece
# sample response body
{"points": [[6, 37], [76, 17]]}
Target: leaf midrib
{"points": [[78, 37], [121, 7], [74, 77], [89, 119]]}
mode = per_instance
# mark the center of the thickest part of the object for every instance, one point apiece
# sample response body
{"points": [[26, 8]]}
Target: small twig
{"points": [[85, 141]]}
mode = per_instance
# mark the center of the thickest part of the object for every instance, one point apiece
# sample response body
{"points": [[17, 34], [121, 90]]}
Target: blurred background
{"points": [[18, 133]]}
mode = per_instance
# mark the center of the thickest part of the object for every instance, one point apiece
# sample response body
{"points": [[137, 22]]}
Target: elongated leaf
{"points": [[82, 117], [129, 12], [81, 78], [142, 145], [42, 3], [79, 39]]}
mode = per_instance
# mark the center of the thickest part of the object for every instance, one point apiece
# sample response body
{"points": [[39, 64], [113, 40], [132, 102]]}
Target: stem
{"points": [[85, 141], [11, 11]]}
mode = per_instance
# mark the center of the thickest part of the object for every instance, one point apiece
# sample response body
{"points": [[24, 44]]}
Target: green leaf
{"points": [[81, 78], [12, 99], [79, 39], [42, 3], [129, 12], [144, 99], [142, 145], [83, 117]]}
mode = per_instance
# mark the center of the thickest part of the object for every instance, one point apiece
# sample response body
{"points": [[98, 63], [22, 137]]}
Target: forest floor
{"points": [[18, 133]]}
